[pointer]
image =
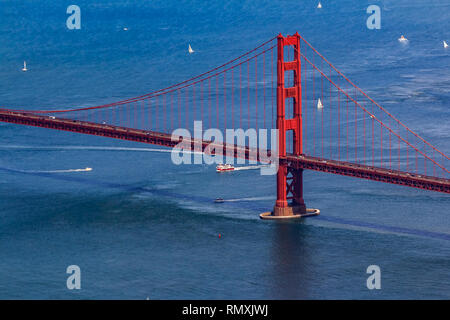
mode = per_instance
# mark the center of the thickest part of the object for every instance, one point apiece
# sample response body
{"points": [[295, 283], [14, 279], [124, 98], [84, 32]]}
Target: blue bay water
{"points": [[139, 226]]}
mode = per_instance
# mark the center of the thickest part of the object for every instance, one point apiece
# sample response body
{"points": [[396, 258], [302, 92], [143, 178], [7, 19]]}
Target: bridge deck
{"points": [[163, 139]]}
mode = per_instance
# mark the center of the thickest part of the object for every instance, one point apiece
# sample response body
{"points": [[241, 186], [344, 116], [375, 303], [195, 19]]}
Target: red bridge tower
{"points": [[289, 178]]}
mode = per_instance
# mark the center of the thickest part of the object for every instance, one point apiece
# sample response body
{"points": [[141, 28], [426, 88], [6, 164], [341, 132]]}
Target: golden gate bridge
{"points": [[325, 122]]}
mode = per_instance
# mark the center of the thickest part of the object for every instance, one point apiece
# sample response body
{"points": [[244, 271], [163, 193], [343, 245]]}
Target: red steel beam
{"points": [[368, 172], [298, 162]]}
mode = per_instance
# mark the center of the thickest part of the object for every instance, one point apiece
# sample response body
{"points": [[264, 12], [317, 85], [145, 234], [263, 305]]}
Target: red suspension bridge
{"points": [[325, 122]]}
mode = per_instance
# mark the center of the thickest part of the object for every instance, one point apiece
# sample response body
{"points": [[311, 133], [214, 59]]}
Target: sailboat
{"points": [[445, 44], [190, 50], [402, 39], [319, 6], [24, 69], [319, 104]]}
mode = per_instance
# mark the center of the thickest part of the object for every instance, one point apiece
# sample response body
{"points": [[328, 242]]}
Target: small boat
{"points": [[219, 200], [224, 167], [319, 104], [402, 39], [319, 6], [190, 50], [24, 69], [445, 44]]}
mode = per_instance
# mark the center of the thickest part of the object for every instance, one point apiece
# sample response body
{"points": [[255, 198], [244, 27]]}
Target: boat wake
{"points": [[57, 171], [248, 199], [251, 167]]}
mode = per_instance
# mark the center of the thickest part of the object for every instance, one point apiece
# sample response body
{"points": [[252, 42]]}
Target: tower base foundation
{"points": [[290, 212]]}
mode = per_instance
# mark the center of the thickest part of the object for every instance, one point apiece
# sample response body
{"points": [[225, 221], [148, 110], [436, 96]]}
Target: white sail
{"points": [[445, 44], [190, 49], [24, 66], [319, 104], [402, 39], [319, 6]]}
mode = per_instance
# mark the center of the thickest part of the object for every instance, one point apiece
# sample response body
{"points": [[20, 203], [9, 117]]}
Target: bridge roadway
{"points": [[162, 139]]}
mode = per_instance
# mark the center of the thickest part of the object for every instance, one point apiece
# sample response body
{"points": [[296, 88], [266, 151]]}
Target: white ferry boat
{"points": [[224, 167]]}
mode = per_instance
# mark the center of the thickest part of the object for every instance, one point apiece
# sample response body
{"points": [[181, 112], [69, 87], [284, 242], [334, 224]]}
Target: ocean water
{"points": [[141, 227]]}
